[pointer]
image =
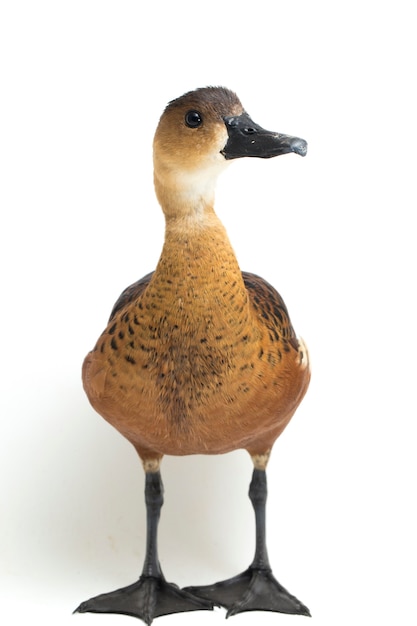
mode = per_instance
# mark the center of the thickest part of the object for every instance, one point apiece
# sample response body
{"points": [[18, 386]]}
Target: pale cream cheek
{"points": [[199, 185], [200, 181], [190, 185]]}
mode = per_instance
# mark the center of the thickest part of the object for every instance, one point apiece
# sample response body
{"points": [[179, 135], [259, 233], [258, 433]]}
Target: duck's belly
{"points": [[199, 406]]}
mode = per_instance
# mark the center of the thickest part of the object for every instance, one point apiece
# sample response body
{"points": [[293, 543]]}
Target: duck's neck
{"points": [[197, 246], [198, 270]]}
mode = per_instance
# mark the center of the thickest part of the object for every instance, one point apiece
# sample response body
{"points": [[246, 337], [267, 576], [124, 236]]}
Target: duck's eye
{"points": [[193, 119]]}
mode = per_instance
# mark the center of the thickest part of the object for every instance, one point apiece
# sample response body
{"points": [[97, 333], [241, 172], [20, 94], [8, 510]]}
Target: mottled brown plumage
{"points": [[197, 356], [182, 371]]}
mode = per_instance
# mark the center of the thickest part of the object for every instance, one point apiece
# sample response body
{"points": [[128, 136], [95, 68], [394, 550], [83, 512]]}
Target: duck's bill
{"points": [[247, 139]]}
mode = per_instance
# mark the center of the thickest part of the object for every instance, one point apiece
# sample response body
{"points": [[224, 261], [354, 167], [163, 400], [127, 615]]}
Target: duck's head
{"points": [[197, 135]]}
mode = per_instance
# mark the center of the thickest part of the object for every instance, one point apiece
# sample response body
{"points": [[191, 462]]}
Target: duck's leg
{"points": [[151, 596], [256, 589]]}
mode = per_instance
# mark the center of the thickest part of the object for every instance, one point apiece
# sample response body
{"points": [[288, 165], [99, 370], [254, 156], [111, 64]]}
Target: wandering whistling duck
{"points": [[199, 357]]}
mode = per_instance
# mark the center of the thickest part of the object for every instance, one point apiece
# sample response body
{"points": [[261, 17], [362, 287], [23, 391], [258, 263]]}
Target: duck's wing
{"points": [[271, 309], [130, 293]]}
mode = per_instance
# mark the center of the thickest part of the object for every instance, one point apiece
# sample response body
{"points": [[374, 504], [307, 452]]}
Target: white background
{"points": [[83, 85]]}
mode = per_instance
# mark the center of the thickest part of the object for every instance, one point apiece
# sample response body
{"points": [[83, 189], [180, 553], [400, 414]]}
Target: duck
{"points": [[198, 356]]}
